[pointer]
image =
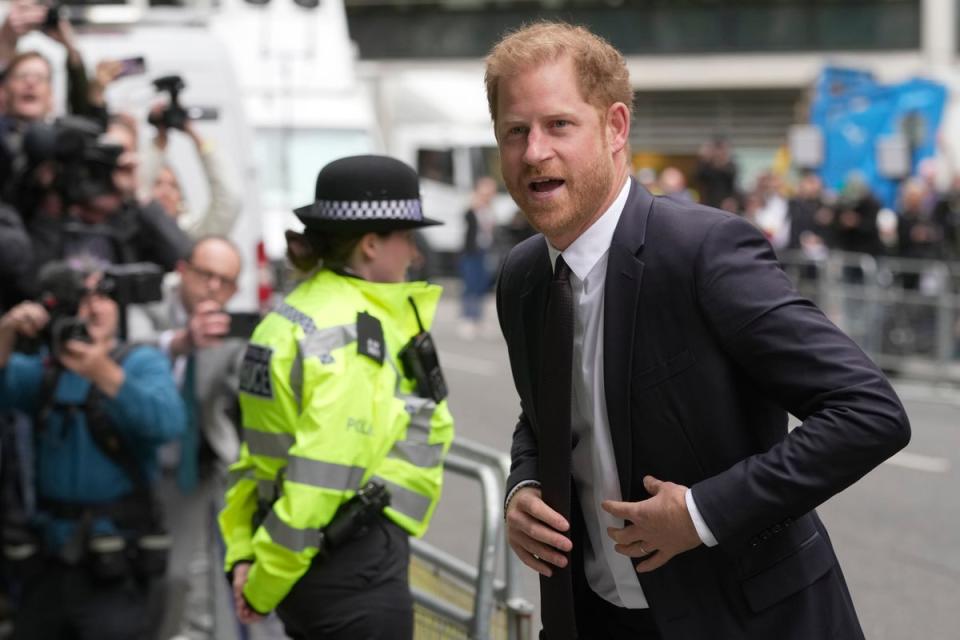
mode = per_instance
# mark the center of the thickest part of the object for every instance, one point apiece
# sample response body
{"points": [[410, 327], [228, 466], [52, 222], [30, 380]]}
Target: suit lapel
{"points": [[621, 301]]}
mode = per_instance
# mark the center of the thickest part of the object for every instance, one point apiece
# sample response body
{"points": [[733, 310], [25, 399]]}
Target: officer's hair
{"points": [[329, 249], [602, 74]]}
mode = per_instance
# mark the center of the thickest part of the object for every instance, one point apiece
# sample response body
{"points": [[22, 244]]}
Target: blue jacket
{"points": [[69, 466]]}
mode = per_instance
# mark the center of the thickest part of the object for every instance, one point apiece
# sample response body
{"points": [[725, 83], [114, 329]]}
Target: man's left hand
{"points": [[657, 529]]}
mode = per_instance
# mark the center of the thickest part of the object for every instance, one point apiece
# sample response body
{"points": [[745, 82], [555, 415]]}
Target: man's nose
{"points": [[538, 147]]}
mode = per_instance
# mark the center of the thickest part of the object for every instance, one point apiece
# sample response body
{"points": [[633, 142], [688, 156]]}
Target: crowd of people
{"points": [[118, 375], [800, 214]]}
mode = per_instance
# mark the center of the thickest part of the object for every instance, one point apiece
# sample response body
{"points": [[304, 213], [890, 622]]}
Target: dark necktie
{"points": [[190, 441], [553, 412]]}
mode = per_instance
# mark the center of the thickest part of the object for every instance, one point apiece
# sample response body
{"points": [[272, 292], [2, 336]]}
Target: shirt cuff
{"points": [[706, 536], [519, 485]]}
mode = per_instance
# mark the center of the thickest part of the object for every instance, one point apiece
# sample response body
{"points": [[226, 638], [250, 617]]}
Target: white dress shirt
{"points": [[594, 467]]}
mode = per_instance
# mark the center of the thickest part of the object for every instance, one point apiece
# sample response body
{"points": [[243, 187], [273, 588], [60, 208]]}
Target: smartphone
{"points": [[243, 324], [132, 66]]}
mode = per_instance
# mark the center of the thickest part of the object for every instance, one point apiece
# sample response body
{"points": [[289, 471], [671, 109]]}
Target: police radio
{"points": [[420, 362]]}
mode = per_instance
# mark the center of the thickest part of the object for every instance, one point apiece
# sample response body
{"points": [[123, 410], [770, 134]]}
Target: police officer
{"points": [[96, 542], [328, 405]]}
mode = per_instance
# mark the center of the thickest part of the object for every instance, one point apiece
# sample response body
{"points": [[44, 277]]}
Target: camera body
{"points": [[174, 116], [63, 289], [84, 165], [52, 19]]}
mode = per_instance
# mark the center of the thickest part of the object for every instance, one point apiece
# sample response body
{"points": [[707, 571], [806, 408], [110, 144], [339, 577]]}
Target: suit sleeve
{"points": [[523, 449], [851, 418]]}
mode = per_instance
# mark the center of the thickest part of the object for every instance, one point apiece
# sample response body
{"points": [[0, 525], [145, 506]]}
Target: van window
{"points": [[485, 161], [288, 160], [435, 164]]}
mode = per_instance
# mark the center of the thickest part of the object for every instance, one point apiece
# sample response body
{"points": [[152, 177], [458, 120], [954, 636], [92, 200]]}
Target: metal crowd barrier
{"points": [[905, 313], [454, 599]]}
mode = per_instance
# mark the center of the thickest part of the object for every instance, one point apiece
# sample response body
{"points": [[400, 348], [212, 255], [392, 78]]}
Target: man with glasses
{"points": [[192, 327]]}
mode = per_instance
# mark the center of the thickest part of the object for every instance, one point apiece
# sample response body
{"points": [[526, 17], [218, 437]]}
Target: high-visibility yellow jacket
{"points": [[322, 415]]}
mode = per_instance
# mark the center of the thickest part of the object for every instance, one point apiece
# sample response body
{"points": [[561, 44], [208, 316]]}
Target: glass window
{"points": [[485, 161], [435, 164], [288, 160]]}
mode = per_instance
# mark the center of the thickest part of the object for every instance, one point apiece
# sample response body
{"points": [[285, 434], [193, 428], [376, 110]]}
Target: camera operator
{"points": [[90, 556], [164, 187], [82, 190]]}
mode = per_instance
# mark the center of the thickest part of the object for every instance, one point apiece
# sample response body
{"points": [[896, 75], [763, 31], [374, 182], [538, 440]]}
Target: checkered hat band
{"points": [[369, 210]]}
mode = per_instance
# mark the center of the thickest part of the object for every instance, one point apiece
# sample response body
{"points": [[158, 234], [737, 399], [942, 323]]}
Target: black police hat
{"points": [[365, 193]]}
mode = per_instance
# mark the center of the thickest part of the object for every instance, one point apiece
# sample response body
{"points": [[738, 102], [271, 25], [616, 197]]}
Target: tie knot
{"points": [[560, 269]]}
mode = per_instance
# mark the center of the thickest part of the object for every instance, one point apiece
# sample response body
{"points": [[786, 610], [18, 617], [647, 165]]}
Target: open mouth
{"points": [[545, 185]]}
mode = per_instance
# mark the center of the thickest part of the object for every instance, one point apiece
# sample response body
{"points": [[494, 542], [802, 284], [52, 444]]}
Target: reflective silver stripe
{"points": [[410, 503], [295, 316], [321, 342], [417, 454], [416, 448], [266, 490], [326, 475], [237, 475], [296, 378], [263, 443], [296, 540], [421, 412]]}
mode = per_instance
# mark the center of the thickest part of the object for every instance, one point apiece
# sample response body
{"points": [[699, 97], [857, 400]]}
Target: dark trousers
{"points": [[360, 592], [66, 603], [597, 619]]}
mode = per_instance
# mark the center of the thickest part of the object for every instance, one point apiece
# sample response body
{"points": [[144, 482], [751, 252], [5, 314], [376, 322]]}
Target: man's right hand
{"points": [[536, 532], [24, 16], [26, 319], [207, 326]]}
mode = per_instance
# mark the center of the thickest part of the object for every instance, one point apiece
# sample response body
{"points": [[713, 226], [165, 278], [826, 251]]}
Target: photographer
{"points": [[164, 187], [96, 544], [77, 195]]}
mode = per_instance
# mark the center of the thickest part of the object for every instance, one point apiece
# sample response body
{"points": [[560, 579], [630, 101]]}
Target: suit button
{"points": [[765, 536], [777, 528], [755, 543]]}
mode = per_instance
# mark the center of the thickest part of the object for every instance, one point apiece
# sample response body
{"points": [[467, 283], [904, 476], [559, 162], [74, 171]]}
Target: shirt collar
{"points": [[584, 252]]}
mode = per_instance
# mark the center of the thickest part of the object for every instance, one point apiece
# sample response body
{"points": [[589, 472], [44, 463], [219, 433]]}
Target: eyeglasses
{"points": [[209, 276], [23, 76]]}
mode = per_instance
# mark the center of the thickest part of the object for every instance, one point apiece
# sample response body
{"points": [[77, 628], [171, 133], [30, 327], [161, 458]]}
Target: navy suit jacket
{"points": [[707, 346]]}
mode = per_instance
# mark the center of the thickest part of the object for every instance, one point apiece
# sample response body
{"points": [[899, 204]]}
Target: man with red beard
{"points": [[656, 347]]}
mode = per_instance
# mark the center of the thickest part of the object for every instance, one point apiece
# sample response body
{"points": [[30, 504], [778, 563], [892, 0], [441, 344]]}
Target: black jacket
{"points": [[707, 346]]}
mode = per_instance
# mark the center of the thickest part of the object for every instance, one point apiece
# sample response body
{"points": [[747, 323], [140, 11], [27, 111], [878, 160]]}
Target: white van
{"points": [[437, 121], [304, 103]]}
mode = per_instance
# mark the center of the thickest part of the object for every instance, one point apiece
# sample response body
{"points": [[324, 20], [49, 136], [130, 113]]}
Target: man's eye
{"points": [[560, 124]]}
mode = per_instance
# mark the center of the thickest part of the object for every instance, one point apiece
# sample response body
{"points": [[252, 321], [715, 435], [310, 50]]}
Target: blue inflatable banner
{"points": [[854, 113]]}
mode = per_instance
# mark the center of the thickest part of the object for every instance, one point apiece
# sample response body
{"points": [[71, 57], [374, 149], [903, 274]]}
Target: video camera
{"points": [[175, 116], [63, 288], [84, 164]]}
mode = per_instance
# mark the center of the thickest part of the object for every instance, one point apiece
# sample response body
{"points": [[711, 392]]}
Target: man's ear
{"points": [[181, 267], [618, 126]]}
